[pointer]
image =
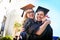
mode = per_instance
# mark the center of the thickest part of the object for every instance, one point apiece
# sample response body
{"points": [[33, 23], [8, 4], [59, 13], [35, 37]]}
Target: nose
{"points": [[32, 13]]}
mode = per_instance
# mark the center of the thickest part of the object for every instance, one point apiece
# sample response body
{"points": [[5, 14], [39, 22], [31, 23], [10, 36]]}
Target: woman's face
{"points": [[40, 15], [30, 13]]}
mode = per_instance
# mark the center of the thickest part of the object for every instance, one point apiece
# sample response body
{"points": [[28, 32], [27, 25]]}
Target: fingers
{"points": [[43, 20], [48, 21]]}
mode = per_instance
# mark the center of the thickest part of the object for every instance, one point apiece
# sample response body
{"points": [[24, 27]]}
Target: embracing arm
{"points": [[42, 27]]}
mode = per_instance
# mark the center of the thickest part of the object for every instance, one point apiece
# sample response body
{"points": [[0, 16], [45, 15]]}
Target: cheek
{"points": [[28, 15], [31, 14], [41, 16]]}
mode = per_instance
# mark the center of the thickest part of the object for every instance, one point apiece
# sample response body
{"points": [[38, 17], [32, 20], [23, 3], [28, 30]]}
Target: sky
{"points": [[52, 5], [54, 13]]}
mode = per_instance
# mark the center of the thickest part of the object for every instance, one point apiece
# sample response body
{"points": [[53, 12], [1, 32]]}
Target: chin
{"points": [[31, 17], [40, 20]]}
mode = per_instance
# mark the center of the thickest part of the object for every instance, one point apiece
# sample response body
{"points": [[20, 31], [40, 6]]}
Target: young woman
{"points": [[41, 30], [28, 16]]}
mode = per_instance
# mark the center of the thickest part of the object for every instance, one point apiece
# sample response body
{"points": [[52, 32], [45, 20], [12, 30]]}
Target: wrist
{"points": [[46, 22]]}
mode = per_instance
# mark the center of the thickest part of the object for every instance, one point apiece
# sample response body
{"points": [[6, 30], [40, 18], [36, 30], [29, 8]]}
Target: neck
{"points": [[38, 20]]}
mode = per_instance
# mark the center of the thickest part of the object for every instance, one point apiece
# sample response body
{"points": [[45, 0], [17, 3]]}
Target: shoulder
{"points": [[29, 20]]}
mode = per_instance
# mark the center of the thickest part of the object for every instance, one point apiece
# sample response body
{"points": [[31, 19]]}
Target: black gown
{"points": [[26, 25], [24, 36], [46, 35], [31, 27]]}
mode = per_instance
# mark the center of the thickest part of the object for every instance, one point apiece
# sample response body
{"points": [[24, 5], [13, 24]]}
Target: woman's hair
{"points": [[35, 16], [24, 17], [25, 14]]}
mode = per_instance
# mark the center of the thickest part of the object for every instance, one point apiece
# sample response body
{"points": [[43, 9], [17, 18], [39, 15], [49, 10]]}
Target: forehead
{"points": [[28, 10], [40, 12]]}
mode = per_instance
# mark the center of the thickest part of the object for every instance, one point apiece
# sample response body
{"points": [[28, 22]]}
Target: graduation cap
{"points": [[29, 6], [45, 10]]}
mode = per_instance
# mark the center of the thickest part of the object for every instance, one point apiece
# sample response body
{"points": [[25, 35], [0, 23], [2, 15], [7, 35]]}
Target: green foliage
{"points": [[17, 24], [8, 37]]}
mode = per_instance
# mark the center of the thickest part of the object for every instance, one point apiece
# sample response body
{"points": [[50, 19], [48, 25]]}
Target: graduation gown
{"points": [[23, 34], [26, 27], [31, 27], [46, 35], [28, 23]]}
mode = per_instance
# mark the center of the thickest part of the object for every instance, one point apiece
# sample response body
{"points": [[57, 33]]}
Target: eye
{"points": [[37, 14]]}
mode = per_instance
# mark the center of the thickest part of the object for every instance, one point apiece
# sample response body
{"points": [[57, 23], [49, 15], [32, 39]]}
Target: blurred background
{"points": [[10, 14]]}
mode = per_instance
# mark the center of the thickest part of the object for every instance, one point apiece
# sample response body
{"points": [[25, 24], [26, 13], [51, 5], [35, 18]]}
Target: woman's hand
{"points": [[48, 21], [45, 19], [43, 27]]}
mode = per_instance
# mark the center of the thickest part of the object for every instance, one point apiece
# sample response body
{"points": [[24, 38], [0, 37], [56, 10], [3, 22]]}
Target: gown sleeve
{"points": [[47, 32], [24, 35], [34, 28]]}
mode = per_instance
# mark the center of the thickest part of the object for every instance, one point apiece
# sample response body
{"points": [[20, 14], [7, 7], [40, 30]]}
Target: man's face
{"points": [[30, 13], [40, 15]]}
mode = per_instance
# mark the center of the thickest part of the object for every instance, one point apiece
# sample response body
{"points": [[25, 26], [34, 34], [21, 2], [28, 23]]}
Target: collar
{"points": [[38, 21]]}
